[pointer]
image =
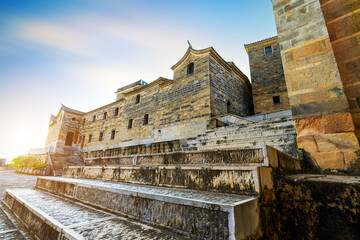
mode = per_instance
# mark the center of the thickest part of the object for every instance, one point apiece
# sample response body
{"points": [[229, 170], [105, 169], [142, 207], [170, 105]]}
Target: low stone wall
{"points": [[229, 179], [7, 168], [41, 172], [227, 156], [317, 207]]}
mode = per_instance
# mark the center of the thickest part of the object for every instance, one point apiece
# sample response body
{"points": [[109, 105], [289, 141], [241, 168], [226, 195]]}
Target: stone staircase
{"points": [[60, 161], [186, 195], [279, 133]]}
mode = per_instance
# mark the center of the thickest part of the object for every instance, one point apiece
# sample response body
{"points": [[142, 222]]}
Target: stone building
{"points": [[204, 86], [267, 76], [186, 158]]}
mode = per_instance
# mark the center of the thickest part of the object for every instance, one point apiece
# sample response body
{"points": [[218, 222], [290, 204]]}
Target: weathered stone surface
{"points": [[317, 41], [317, 207], [202, 215], [51, 217], [267, 77], [227, 179]]}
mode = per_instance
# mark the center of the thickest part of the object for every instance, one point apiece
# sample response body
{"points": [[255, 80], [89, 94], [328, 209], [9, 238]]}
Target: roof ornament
{"points": [[189, 44]]}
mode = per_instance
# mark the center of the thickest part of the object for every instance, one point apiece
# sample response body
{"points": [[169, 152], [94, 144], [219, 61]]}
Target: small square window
{"points": [[276, 99], [268, 50]]}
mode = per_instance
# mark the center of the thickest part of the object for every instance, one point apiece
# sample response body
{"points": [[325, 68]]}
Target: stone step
{"points": [[229, 156], [248, 132], [226, 179], [197, 214], [9, 227], [52, 217]]}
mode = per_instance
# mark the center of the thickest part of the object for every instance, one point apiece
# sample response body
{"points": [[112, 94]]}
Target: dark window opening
{"points": [[137, 100], [116, 112], [94, 118], [228, 106], [268, 50], [130, 124], [276, 99], [146, 119], [101, 136], [69, 139], [73, 119], [190, 68], [105, 114], [84, 121], [90, 137], [112, 135]]}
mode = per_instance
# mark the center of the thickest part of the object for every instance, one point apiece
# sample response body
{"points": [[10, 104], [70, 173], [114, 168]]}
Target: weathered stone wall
{"points": [[230, 94], [342, 20], [317, 207], [66, 122], [176, 109], [267, 77], [318, 102]]}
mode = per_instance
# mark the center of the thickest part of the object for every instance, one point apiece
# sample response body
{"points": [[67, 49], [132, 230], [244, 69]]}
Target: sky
{"points": [[78, 52]]}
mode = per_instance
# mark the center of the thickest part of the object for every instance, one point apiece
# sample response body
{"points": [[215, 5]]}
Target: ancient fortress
{"points": [[211, 155]]}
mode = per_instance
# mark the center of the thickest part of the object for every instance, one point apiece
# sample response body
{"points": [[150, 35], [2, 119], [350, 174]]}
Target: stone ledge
{"points": [[193, 213], [70, 223]]}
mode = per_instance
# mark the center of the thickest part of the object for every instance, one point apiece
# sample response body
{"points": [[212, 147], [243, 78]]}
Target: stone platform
{"points": [[196, 214], [52, 217]]}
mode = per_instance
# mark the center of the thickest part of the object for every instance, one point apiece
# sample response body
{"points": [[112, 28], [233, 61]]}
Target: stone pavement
{"points": [[10, 179]]}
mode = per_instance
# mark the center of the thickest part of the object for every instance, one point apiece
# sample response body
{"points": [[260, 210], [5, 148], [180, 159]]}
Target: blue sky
{"points": [[78, 52]]}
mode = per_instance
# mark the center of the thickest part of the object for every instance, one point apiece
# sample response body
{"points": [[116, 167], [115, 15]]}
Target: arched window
{"points": [[146, 119], [94, 118], [130, 123], [90, 137], [190, 68], [116, 113], [228, 106], [105, 114], [137, 100]]}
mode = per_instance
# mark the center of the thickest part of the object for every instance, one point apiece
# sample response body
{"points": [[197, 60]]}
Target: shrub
{"points": [[27, 161]]}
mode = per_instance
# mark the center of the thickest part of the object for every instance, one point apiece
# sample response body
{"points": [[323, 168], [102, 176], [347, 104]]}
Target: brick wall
{"points": [[267, 77]]}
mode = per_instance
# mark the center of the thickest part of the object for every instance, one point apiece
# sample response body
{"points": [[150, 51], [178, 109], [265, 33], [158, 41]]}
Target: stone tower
{"points": [[320, 49]]}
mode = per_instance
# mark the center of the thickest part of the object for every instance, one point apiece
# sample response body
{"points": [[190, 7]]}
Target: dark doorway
{"points": [[69, 139]]}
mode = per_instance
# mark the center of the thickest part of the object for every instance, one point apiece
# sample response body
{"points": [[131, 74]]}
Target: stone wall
{"points": [[317, 207], [230, 94], [342, 20], [317, 97], [267, 77]]}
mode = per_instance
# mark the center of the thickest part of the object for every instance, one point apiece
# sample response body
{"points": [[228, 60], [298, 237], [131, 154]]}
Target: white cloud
{"points": [[54, 35]]}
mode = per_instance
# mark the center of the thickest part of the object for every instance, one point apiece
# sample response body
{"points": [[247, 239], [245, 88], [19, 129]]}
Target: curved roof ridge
{"points": [[65, 108]]}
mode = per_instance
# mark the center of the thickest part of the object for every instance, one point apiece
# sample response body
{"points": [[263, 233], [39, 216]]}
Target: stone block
{"points": [[336, 123], [308, 143], [336, 141], [309, 126], [329, 160]]}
